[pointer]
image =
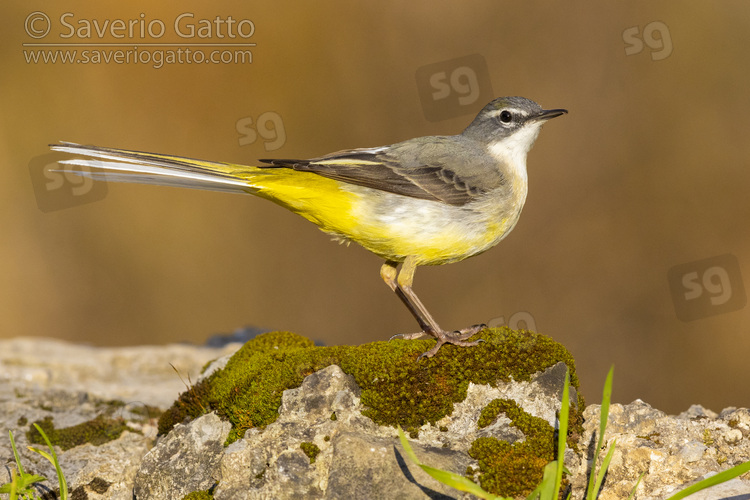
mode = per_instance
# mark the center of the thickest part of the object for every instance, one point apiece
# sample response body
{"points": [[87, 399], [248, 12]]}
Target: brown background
{"points": [[648, 171]]}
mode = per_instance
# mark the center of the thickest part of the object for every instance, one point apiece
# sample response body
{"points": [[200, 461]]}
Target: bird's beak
{"points": [[547, 114]]}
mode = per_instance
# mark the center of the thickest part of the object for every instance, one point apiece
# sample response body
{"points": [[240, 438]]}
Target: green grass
{"points": [[21, 485]]}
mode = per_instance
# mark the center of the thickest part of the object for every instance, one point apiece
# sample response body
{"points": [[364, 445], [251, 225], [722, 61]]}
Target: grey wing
{"points": [[430, 168]]}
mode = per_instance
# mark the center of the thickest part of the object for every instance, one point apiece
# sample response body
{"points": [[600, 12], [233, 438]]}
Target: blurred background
{"points": [[632, 249]]}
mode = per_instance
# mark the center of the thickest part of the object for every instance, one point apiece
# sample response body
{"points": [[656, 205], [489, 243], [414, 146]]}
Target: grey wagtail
{"points": [[425, 201]]}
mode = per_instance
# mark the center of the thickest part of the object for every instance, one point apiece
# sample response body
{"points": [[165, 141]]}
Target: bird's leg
{"points": [[401, 283], [393, 279]]}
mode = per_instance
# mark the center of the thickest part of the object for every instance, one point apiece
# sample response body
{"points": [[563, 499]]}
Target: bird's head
{"points": [[508, 126]]}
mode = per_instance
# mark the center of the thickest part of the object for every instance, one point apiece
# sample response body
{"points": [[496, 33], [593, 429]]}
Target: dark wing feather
{"points": [[418, 168]]}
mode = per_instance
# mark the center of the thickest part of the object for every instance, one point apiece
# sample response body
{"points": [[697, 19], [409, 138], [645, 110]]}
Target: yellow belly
{"points": [[390, 225]]}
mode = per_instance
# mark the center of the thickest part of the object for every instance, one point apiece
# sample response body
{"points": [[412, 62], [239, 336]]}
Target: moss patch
{"points": [[396, 389], [311, 450], [99, 485], [513, 469], [98, 431], [198, 495]]}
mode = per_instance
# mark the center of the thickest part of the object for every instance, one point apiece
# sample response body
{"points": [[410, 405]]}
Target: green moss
{"points": [[198, 495], [22, 421], [143, 411], [206, 365], [707, 439], [513, 469], [396, 389], [508, 470], [653, 437], [311, 450], [99, 485], [98, 431], [147, 411]]}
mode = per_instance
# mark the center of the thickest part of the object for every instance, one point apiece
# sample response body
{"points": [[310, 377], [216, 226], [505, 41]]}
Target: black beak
{"points": [[547, 114]]}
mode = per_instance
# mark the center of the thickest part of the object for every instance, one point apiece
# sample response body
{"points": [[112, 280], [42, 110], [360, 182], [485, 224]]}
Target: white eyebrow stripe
{"points": [[512, 110]]}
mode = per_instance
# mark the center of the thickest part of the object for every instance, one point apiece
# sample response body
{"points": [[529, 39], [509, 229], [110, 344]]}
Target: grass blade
{"points": [[52, 457], [42, 453], [713, 480], [593, 491], [632, 493], [603, 471], [15, 454], [562, 432], [407, 447], [460, 483], [13, 480], [606, 398], [20, 481], [546, 489]]}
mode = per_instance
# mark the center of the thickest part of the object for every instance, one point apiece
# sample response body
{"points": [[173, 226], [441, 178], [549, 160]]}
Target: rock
{"points": [[148, 375], [674, 452], [343, 415], [195, 450], [106, 471], [327, 436], [358, 459], [357, 456], [74, 385]]}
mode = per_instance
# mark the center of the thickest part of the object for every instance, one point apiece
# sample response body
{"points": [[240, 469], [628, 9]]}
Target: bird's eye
{"points": [[506, 116]]}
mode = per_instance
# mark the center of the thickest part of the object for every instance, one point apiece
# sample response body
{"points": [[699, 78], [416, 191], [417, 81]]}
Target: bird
{"points": [[425, 201]]}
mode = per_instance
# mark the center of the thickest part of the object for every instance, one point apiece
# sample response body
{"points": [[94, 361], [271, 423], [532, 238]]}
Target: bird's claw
{"points": [[457, 337], [409, 336]]}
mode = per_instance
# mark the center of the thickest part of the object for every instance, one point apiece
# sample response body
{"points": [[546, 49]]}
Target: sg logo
{"points": [[661, 45], [56, 189], [515, 322], [269, 126], [707, 287], [453, 88]]}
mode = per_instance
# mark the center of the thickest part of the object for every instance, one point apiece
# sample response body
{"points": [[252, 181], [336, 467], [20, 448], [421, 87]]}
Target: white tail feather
{"points": [[141, 168]]}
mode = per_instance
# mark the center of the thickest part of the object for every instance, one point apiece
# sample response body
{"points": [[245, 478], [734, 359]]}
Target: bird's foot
{"points": [[457, 337]]}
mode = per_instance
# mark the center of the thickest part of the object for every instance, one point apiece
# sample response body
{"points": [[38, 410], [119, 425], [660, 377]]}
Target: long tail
{"points": [[117, 165]]}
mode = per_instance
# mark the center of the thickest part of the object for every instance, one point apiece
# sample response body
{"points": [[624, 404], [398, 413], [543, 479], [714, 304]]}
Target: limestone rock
{"points": [[357, 459], [143, 374], [321, 446], [194, 450], [673, 452], [74, 384]]}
